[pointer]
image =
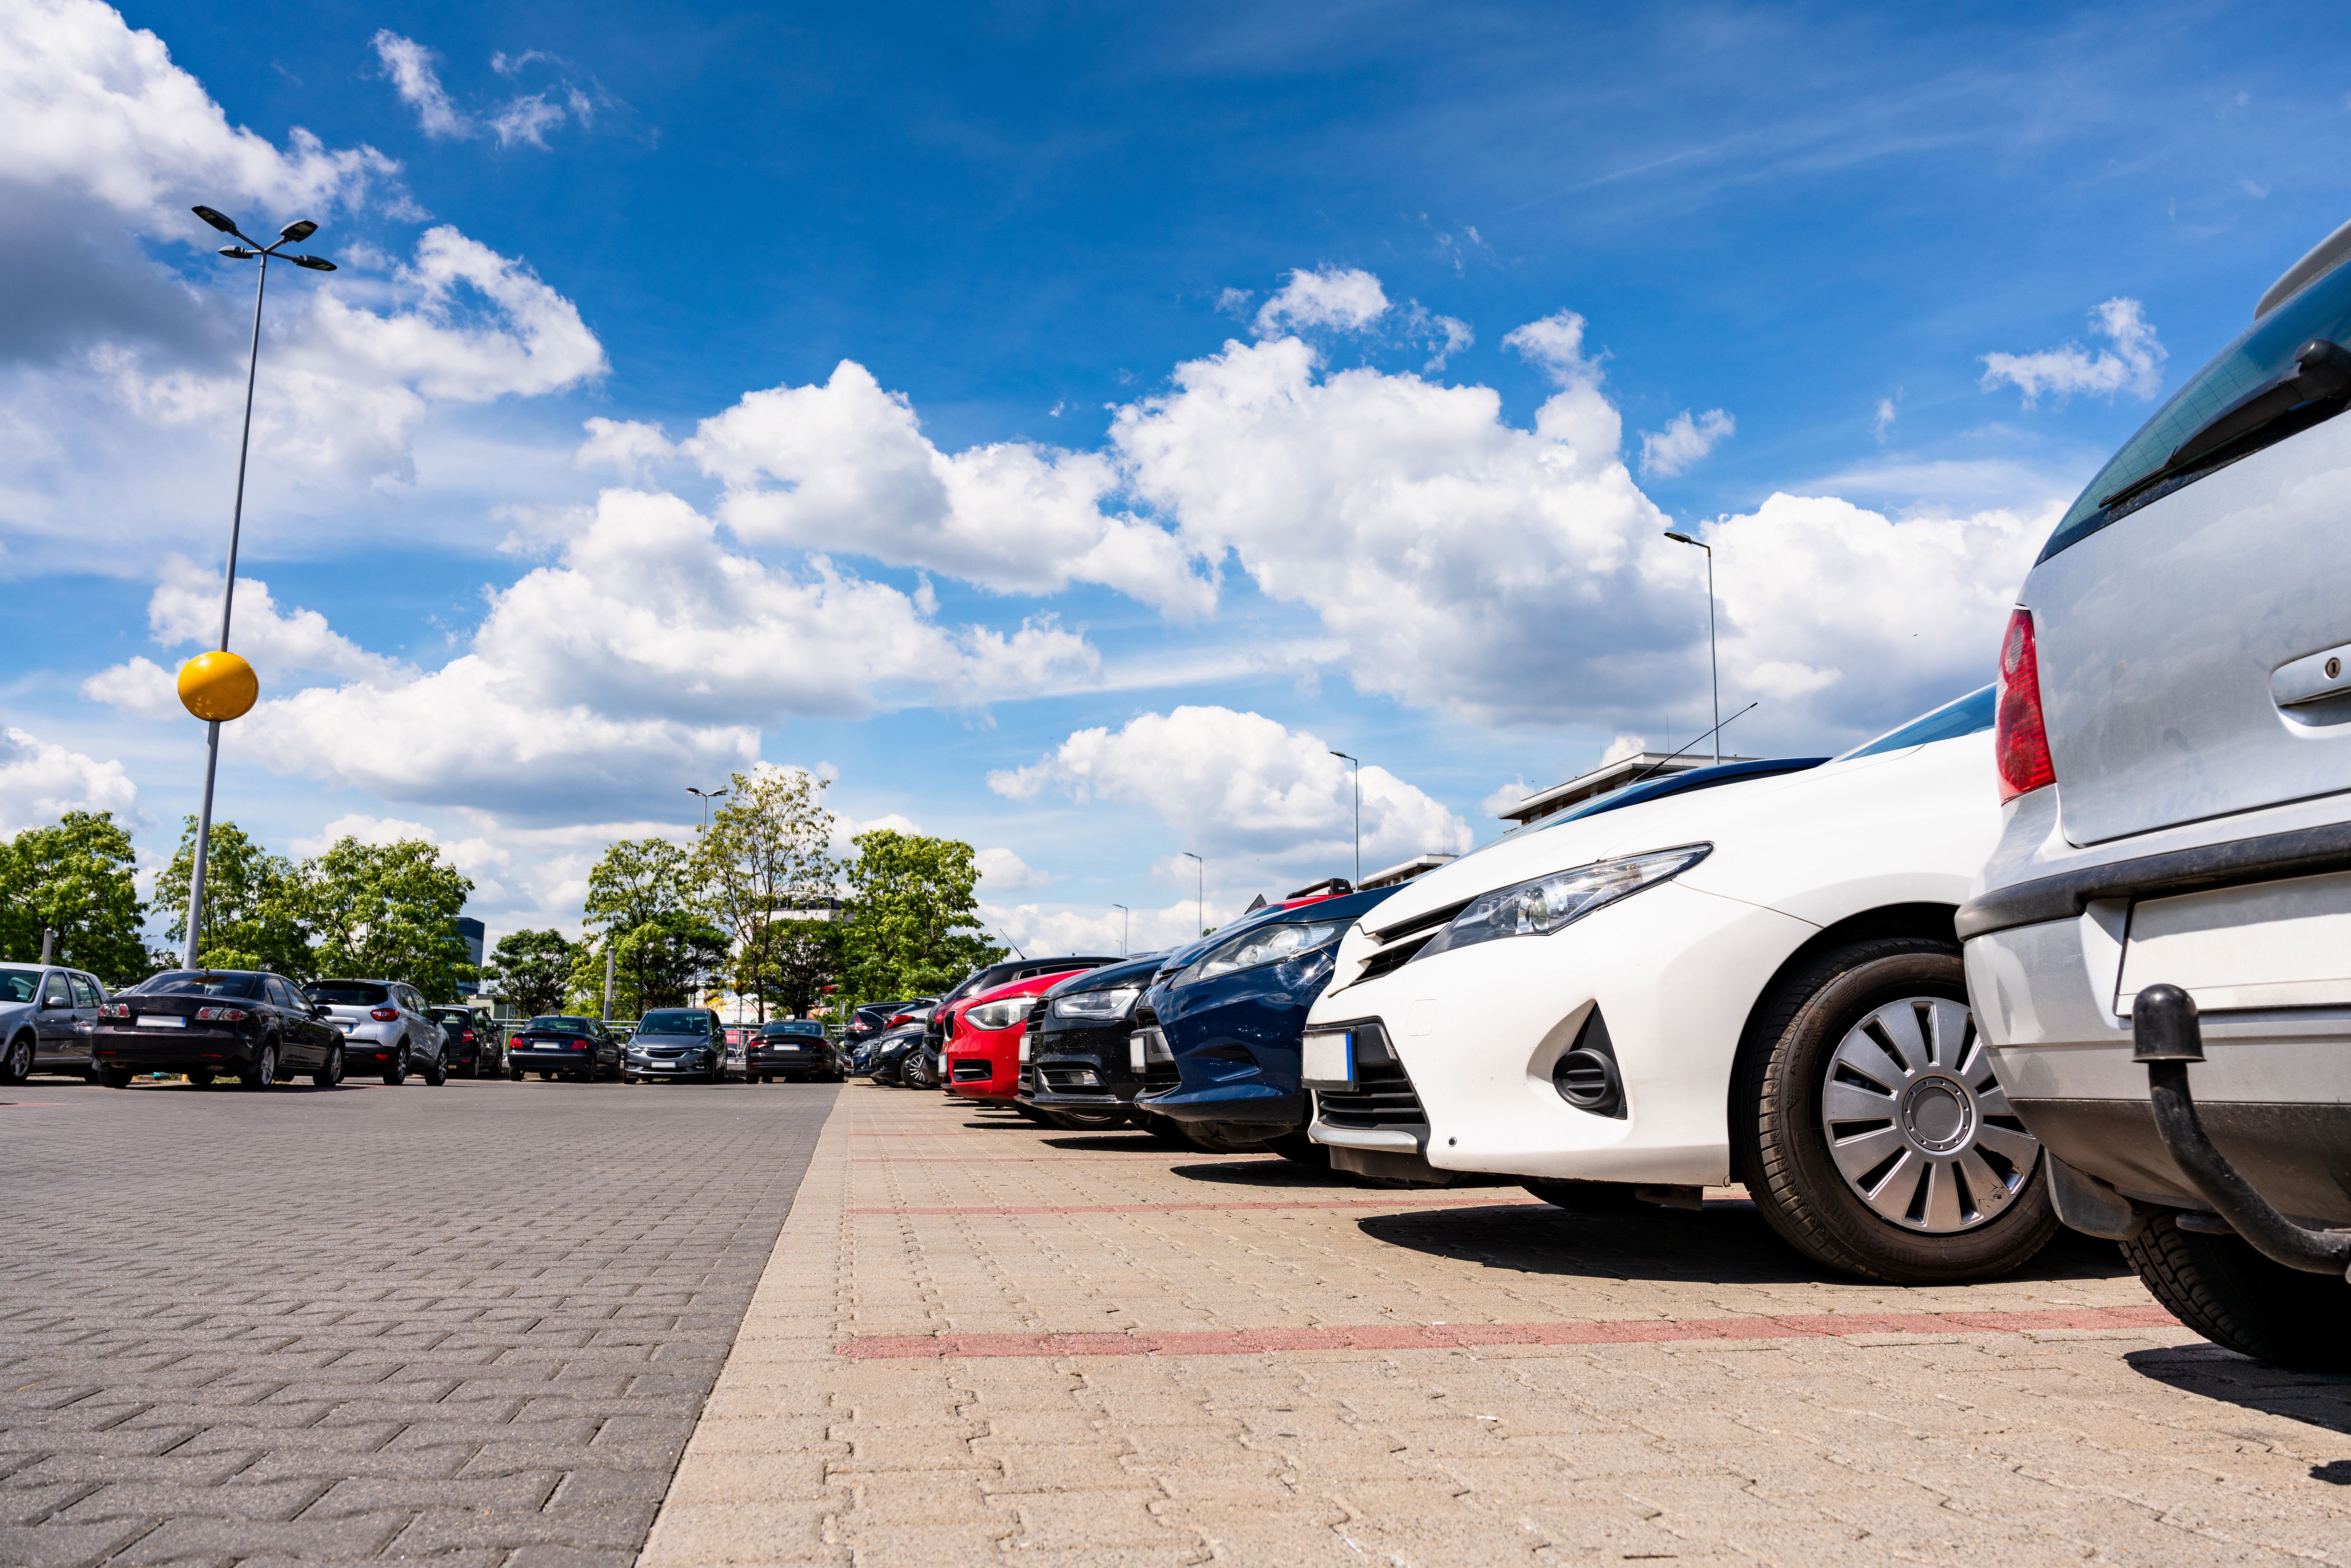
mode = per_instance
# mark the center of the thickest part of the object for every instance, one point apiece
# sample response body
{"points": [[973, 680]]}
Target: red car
{"points": [[982, 1036]]}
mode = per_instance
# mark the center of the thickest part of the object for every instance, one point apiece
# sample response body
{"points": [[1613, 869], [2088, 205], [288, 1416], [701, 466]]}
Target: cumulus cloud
{"points": [[526, 117], [139, 687], [409, 64], [2133, 364], [1346, 299], [1002, 870], [40, 781], [1667, 452]]}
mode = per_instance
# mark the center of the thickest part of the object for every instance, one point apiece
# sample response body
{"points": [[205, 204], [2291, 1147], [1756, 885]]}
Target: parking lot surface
{"points": [[473, 1323], [980, 1341]]}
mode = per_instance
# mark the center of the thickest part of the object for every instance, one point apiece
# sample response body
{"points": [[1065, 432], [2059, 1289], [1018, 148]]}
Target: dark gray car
{"points": [[677, 1042], [47, 1015]]}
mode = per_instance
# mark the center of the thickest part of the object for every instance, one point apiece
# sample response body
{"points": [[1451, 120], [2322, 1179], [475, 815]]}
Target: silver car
{"points": [[2174, 741], [47, 1016], [386, 1029]]}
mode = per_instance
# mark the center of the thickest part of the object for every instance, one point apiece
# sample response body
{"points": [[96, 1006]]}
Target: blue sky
{"points": [[1449, 247]]}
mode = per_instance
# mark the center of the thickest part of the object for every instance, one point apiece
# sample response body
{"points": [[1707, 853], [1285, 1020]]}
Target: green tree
{"points": [[390, 909], [533, 969], [656, 964], [802, 957], [912, 914], [635, 886], [74, 878], [254, 904], [765, 854]]}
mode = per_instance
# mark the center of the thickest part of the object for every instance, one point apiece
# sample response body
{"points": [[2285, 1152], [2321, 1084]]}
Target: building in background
{"points": [[469, 930], [1405, 870]]}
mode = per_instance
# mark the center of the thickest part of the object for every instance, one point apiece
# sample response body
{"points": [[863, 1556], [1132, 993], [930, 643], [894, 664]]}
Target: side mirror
{"points": [[322, 1012], [57, 1002]]}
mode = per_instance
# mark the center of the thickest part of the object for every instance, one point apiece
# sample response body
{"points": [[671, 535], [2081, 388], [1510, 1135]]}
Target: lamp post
{"points": [[218, 686], [707, 797], [1126, 927], [1356, 768], [1714, 670], [1199, 890]]}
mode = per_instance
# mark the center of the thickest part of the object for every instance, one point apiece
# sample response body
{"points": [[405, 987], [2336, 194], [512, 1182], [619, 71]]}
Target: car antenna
{"points": [[1670, 756]]}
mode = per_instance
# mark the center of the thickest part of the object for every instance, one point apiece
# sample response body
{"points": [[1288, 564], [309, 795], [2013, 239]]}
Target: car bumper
{"points": [[769, 1064], [656, 1067], [989, 1072], [550, 1060], [174, 1050]]}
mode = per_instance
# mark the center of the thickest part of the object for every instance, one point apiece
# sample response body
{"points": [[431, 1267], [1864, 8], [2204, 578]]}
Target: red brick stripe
{"points": [[1415, 1200], [1454, 1337]]}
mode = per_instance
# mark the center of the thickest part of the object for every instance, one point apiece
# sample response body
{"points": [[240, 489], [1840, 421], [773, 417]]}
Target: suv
{"points": [[47, 1016], [677, 1042], [2174, 749], [385, 1026], [466, 1034]]}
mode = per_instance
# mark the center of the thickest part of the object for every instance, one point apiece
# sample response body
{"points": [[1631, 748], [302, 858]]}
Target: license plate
{"points": [[2268, 944], [162, 1020], [1146, 1046], [1328, 1061]]}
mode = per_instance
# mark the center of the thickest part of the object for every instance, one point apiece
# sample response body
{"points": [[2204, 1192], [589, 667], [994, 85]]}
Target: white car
{"points": [[1759, 982]]}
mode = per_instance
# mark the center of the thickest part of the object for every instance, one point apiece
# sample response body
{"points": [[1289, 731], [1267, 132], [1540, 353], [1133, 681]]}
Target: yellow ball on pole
{"points": [[218, 686]]}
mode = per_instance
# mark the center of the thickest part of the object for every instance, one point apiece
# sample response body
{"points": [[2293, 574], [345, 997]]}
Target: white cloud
{"points": [[1505, 797], [1346, 299], [409, 64], [140, 688], [527, 117], [1888, 410], [1623, 747], [2134, 364], [40, 781], [185, 608], [1667, 452], [1002, 870], [629, 446]]}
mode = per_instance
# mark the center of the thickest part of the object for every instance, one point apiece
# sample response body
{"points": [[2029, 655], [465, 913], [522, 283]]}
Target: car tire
{"points": [[513, 1074], [264, 1070], [115, 1077], [331, 1071], [202, 1077], [2225, 1290], [395, 1072], [1948, 1187], [436, 1073], [17, 1065]]}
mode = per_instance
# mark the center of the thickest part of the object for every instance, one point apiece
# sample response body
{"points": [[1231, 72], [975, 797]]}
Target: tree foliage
{"points": [[765, 854], [254, 904], [636, 886], [800, 958], [533, 969], [391, 910], [656, 964], [912, 916], [74, 878]]}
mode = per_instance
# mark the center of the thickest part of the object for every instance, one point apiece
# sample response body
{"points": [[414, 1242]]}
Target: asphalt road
{"points": [[476, 1323]]}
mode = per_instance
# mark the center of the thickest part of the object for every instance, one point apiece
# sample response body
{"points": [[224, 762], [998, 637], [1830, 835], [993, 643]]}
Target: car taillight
{"points": [[220, 1015], [114, 1009], [2020, 742], [383, 1015], [468, 1036], [578, 1045]]}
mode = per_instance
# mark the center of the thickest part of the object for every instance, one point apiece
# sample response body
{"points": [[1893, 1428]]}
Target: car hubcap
{"points": [[1917, 1124], [20, 1060]]}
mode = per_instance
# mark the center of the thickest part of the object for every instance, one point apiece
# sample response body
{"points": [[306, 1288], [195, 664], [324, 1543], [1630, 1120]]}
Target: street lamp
{"points": [[1358, 772], [1714, 670], [1199, 890], [707, 797], [219, 686], [1126, 927]]}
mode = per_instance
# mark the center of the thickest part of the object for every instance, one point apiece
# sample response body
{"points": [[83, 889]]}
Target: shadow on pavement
{"points": [[1273, 1171], [1728, 1243], [2316, 1398]]}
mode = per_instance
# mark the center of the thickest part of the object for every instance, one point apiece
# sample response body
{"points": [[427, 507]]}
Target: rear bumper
{"points": [[550, 1060], [157, 1050], [768, 1065]]}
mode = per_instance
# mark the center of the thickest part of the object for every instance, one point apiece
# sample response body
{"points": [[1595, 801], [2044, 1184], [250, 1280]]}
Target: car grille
{"points": [[1383, 1097], [1396, 956]]}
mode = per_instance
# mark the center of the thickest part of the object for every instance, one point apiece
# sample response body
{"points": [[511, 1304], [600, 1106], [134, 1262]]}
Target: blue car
{"points": [[1217, 1035]]}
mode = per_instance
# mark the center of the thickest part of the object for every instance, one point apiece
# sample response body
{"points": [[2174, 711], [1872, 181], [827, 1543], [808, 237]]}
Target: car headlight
{"points": [[1110, 1004], [1548, 904], [1265, 944], [998, 1014]]}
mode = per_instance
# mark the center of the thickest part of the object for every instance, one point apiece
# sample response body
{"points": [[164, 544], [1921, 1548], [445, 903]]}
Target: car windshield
{"points": [[2260, 353], [1971, 714], [676, 1020], [18, 985], [200, 983], [555, 1025], [346, 993]]}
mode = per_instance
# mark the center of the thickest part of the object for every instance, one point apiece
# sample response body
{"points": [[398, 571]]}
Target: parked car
{"points": [[1757, 982], [987, 978], [792, 1047], [1074, 1064], [1218, 1034], [869, 1021], [559, 1045], [468, 1040], [891, 1051], [677, 1042], [2174, 755], [49, 1016], [981, 1046], [243, 1023], [386, 1028]]}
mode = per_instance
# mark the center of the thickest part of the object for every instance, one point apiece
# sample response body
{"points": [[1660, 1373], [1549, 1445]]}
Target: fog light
{"points": [[1085, 1077]]}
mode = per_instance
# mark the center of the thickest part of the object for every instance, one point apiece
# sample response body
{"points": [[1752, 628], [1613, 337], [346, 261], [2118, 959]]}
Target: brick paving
{"points": [[1318, 1373], [473, 1323]]}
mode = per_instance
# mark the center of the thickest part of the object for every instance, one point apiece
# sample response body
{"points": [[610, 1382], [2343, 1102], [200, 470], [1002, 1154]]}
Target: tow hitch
{"points": [[2166, 1035]]}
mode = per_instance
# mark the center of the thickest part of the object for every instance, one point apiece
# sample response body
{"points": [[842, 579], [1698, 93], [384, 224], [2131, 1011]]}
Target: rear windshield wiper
{"points": [[2322, 374]]}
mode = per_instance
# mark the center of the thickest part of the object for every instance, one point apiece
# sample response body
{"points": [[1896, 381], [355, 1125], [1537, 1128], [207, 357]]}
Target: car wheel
{"points": [[1087, 1121], [115, 1077], [515, 1073], [396, 1071], [332, 1073], [436, 1073], [199, 1077], [1873, 1137], [17, 1065], [264, 1070], [547, 1077], [2232, 1295]]}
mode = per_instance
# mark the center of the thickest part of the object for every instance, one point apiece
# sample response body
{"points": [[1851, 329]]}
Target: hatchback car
{"points": [[2175, 760], [891, 1050], [49, 1016], [211, 1023], [677, 1042], [1074, 1058], [789, 1049], [386, 1028], [469, 1042], [564, 1046], [981, 1047], [1759, 982]]}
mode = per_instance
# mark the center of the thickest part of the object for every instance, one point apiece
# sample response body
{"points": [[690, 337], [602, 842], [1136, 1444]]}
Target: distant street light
{"points": [[1199, 890], [707, 797], [1125, 927], [218, 686], [1357, 768], [1714, 670]]}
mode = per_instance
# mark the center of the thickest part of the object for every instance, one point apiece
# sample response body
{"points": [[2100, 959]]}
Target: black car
{"points": [[985, 979], [875, 1019], [892, 1051], [561, 1046], [467, 1035], [790, 1047], [678, 1042], [1075, 1062], [211, 1023]]}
